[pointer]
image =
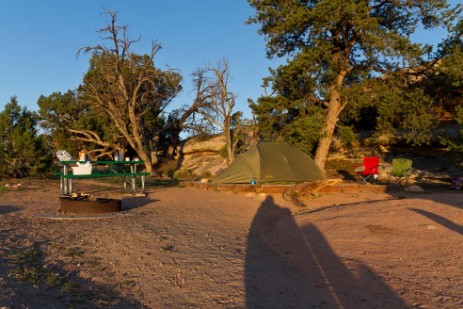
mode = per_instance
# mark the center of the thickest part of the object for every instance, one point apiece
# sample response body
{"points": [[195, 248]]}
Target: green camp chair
{"points": [[401, 169]]}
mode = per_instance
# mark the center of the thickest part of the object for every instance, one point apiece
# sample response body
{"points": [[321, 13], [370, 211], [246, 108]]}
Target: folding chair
{"points": [[368, 172], [401, 169]]}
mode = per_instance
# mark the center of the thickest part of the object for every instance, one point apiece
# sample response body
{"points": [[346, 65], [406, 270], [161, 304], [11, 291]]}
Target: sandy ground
{"points": [[191, 248]]}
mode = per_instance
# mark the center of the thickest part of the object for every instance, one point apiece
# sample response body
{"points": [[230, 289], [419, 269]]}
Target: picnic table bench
{"points": [[125, 169]]}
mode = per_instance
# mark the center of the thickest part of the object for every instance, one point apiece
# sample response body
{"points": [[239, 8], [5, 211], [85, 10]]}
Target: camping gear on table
{"points": [[82, 168], [83, 154], [63, 155], [269, 162], [119, 154]]}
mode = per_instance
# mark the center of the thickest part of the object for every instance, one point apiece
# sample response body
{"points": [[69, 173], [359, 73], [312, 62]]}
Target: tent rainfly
{"points": [[270, 162]]}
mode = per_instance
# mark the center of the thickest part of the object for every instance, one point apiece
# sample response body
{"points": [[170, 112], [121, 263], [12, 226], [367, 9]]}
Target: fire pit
{"points": [[86, 204]]}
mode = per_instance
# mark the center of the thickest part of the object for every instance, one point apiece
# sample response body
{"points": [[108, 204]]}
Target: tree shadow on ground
{"points": [[5, 209], [440, 220], [346, 175], [136, 202], [292, 267], [436, 193], [28, 280]]}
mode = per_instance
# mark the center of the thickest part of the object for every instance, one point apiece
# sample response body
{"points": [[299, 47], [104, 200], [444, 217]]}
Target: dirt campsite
{"points": [[184, 247]]}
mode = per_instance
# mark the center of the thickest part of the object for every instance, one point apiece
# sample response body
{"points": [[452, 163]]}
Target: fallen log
{"points": [[293, 193]]}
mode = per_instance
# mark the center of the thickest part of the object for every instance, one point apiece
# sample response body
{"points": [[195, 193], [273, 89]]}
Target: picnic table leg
{"points": [[132, 170], [142, 183], [61, 185], [65, 180], [69, 186]]}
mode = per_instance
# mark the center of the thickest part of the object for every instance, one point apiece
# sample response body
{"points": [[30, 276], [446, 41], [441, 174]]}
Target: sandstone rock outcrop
{"points": [[203, 158]]}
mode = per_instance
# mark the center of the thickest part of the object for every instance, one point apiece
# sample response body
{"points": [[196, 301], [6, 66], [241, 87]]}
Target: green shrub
{"points": [[224, 152], [183, 174], [205, 174], [170, 172], [347, 136]]}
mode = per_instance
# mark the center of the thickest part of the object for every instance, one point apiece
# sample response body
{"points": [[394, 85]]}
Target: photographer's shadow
{"points": [[292, 267]]}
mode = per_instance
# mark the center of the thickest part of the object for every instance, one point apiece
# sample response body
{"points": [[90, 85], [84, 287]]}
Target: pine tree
{"points": [[334, 45]]}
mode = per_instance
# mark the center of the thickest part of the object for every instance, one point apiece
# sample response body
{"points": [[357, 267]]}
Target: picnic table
{"points": [[111, 168]]}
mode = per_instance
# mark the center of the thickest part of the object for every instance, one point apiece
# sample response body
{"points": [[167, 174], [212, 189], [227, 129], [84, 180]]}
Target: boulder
{"points": [[202, 157], [210, 146], [414, 189]]}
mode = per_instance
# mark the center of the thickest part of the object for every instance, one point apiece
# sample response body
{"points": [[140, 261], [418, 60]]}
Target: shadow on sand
{"points": [[28, 281], [440, 220], [441, 195], [136, 202], [292, 267], [6, 209]]}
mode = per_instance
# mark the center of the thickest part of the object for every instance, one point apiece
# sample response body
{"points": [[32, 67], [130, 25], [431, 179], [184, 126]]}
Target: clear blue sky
{"points": [[40, 40]]}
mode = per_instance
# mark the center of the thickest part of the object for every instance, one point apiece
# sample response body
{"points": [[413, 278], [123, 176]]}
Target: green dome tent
{"points": [[269, 162]]}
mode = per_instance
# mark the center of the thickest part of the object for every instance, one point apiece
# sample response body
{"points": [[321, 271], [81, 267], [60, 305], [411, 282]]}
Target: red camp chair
{"points": [[368, 172]]}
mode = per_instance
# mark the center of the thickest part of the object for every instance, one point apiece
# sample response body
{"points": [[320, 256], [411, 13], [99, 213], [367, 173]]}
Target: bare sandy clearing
{"points": [[185, 247]]}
